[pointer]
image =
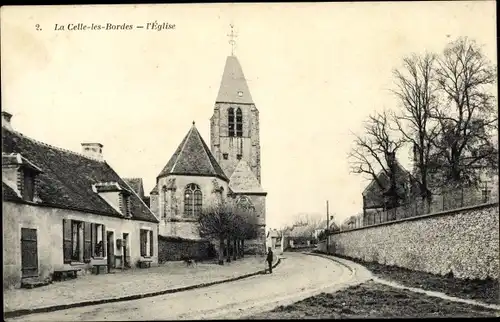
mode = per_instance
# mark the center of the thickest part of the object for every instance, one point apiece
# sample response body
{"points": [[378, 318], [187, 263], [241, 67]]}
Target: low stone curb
{"points": [[436, 294], [347, 263], [46, 309]]}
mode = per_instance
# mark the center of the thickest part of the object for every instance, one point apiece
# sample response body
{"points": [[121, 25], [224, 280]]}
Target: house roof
{"points": [[193, 157], [273, 233], [233, 86], [136, 185], [154, 191], [9, 193], [333, 225], [373, 193], [243, 180], [68, 178]]}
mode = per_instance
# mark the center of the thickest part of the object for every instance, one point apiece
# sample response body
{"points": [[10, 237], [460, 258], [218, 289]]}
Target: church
{"points": [[196, 175]]}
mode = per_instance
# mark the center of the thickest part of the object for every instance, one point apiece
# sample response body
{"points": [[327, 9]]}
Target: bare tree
{"points": [[375, 152], [416, 91], [468, 115], [215, 222]]}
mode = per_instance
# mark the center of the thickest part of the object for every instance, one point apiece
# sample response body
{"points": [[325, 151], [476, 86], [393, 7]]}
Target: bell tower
{"points": [[235, 121]]}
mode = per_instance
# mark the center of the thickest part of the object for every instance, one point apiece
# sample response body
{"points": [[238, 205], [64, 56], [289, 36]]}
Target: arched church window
{"points": [[239, 123], [193, 200], [230, 122], [245, 203]]}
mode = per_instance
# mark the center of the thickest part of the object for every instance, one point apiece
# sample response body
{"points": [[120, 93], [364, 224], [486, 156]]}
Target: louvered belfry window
{"points": [[235, 122], [239, 123], [230, 122]]}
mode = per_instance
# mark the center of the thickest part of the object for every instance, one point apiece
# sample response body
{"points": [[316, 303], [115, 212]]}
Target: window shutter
{"points": [[94, 238], [87, 241], [143, 243], [104, 241], [151, 244], [67, 241]]}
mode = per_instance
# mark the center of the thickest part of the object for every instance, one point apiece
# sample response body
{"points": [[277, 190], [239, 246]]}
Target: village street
{"points": [[298, 276]]}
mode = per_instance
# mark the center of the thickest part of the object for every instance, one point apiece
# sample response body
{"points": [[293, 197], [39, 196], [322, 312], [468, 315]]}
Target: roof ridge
{"points": [[206, 152], [53, 146], [182, 149]]}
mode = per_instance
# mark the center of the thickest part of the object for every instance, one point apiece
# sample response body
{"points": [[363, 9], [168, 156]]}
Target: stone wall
{"points": [[463, 241], [175, 249]]}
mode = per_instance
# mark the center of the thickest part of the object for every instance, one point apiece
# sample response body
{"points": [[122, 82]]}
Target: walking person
{"points": [[269, 259]]}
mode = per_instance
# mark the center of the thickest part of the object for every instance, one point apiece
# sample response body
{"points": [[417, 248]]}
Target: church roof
{"points": [[233, 87], [193, 157], [136, 185], [243, 180]]}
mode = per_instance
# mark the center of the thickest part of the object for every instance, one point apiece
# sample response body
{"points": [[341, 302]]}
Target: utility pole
{"points": [[327, 227]]}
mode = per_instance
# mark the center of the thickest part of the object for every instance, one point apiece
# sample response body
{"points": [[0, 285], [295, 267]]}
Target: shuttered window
{"points": [[67, 249], [103, 233], [151, 244], [144, 241], [29, 253]]}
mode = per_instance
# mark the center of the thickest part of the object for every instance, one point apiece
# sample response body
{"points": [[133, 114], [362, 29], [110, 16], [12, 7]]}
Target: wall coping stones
{"points": [[431, 215]]}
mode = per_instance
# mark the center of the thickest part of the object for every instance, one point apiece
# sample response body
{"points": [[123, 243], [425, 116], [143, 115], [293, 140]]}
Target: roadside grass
{"points": [[373, 300], [486, 291]]}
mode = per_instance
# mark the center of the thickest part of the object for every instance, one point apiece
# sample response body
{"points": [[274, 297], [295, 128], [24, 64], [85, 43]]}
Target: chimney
{"points": [[6, 120], [93, 151]]}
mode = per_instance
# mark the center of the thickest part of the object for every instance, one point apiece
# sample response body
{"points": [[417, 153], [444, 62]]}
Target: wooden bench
{"points": [[97, 266], [58, 274], [145, 263]]}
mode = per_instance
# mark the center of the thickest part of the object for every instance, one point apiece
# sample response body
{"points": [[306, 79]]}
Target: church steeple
{"points": [[233, 87]]}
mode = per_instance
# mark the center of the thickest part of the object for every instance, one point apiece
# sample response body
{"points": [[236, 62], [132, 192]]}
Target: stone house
{"points": [[66, 210], [272, 238], [374, 195]]}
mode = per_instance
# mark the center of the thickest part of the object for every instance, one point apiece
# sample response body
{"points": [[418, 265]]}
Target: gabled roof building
{"points": [[63, 209]]}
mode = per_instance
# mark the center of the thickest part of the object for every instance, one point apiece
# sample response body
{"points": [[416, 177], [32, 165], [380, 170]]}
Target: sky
{"points": [[315, 72]]}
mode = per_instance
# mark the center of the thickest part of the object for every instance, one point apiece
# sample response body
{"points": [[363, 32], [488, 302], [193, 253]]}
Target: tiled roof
{"points": [[374, 197], [193, 157], [233, 87], [273, 233], [8, 193], [67, 178], [136, 185], [154, 191], [243, 180]]}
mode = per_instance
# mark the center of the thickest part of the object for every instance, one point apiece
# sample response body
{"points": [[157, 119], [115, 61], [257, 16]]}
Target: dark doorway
{"points": [[29, 253], [110, 249]]}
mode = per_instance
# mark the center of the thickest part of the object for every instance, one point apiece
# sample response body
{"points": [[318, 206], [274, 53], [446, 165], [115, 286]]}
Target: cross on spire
{"points": [[232, 42]]}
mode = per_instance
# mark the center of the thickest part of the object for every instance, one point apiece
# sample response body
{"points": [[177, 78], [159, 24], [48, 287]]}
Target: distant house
{"points": [[64, 210], [375, 194], [272, 238], [353, 222], [322, 226]]}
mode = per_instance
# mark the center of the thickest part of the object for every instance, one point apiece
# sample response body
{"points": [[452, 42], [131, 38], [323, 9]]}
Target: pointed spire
{"points": [[193, 157], [233, 87]]}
